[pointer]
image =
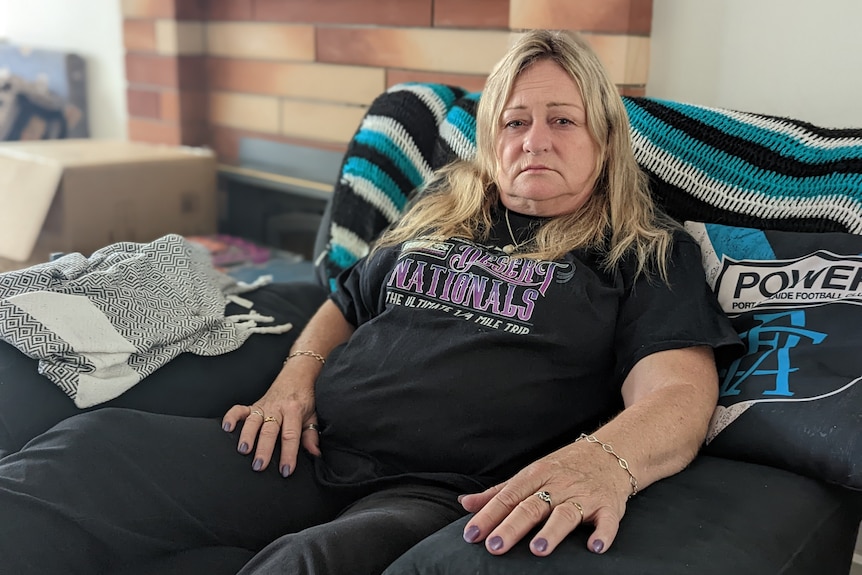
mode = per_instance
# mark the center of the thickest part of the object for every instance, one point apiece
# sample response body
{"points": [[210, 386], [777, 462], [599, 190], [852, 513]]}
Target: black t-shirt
{"points": [[467, 364]]}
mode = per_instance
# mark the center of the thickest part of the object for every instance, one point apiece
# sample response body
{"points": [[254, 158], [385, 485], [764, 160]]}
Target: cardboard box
{"points": [[81, 195]]}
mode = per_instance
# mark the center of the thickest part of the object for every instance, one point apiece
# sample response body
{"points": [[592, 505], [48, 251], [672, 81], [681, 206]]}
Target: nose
{"points": [[538, 138]]}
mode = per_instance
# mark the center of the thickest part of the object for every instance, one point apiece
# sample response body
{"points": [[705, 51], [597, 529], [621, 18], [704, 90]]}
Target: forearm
{"points": [[325, 330], [662, 427]]}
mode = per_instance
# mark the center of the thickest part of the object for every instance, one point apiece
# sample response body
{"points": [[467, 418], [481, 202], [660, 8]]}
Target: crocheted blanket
{"points": [[407, 133], [749, 170], [705, 164], [99, 325]]}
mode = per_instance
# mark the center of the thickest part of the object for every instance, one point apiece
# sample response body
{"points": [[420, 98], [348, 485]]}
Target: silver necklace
{"points": [[510, 248]]}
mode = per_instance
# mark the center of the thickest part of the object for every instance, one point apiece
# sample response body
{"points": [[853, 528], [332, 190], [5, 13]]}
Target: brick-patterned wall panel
{"points": [[143, 103], [261, 40], [139, 35], [245, 111], [167, 9], [626, 58], [472, 82], [331, 83], [368, 12], [471, 14], [166, 71], [180, 38], [156, 132], [611, 16], [319, 120], [151, 70], [189, 106], [149, 9], [304, 71], [230, 10], [423, 49]]}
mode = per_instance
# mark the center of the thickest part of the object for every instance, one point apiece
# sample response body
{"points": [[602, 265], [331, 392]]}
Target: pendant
{"points": [[508, 248]]}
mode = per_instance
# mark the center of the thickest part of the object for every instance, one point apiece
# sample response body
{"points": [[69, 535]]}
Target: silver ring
{"points": [[580, 510], [311, 426], [257, 412], [544, 496]]}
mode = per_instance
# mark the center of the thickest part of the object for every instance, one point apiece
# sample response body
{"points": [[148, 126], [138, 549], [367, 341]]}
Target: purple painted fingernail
{"points": [[540, 545], [598, 545], [226, 426], [460, 497], [495, 543], [471, 534], [285, 470], [258, 463], [243, 447]]}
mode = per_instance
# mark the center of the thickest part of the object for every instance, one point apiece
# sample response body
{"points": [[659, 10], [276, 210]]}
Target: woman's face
{"points": [[546, 158]]}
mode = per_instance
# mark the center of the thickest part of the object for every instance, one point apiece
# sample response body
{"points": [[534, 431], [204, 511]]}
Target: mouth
{"points": [[535, 168]]}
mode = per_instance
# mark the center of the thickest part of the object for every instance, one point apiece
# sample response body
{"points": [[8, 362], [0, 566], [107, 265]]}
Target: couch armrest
{"points": [[718, 516]]}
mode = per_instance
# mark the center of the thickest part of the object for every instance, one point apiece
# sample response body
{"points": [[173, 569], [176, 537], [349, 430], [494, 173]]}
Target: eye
{"points": [[514, 124], [564, 122]]}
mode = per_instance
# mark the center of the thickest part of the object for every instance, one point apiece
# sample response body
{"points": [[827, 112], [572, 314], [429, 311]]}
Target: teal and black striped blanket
{"points": [[705, 164]]}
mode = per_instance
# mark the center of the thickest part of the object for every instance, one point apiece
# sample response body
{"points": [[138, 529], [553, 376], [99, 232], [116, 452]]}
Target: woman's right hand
{"points": [[286, 412], [287, 409]]}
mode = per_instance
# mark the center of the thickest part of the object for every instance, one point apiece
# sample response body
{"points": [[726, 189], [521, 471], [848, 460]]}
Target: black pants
{"points": [[122, 491]]}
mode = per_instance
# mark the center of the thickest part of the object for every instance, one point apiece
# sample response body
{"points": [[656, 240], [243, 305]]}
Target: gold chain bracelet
{"points": [[316, 356], [623, 463]]}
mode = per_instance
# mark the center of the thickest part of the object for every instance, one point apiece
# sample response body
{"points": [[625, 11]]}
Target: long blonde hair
{"points": [[618, 218]]}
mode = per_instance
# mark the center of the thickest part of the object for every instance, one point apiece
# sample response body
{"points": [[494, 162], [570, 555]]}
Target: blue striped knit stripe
{"points": [[341, 256], [733, 171], [364, 169], [383, 144], [464, 122]]}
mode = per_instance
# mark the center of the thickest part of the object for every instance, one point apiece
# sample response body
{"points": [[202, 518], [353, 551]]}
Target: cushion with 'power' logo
{"points": [[793, 400]]}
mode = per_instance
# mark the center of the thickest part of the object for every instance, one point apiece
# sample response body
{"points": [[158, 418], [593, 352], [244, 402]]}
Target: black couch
{"points": [[739, 507]]}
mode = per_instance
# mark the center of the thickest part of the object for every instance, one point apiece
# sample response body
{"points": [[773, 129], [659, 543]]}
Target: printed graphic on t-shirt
{"points": [[472, 282]]}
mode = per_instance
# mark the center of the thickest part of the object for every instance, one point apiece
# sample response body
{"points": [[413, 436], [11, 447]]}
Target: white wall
{"points": [[92, 29], [794, 58]]}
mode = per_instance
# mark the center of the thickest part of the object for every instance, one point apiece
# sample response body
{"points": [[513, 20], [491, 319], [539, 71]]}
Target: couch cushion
{"points": [[718, 516], [793, 400]]}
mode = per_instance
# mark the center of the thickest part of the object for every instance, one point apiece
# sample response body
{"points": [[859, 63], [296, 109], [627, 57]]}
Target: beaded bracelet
{"points": [[623, 463], [316, 356]]}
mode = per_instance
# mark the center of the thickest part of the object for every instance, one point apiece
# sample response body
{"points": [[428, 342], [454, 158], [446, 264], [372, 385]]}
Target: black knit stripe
{"points": [[827, 133], [682, 206], [408, 109], [372, 222]]}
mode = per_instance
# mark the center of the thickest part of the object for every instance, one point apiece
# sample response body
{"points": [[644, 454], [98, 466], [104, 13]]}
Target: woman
{"points": [[533, 343]]}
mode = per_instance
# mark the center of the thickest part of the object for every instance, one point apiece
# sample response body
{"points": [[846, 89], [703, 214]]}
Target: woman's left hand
{"points": [[583, 487]]}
